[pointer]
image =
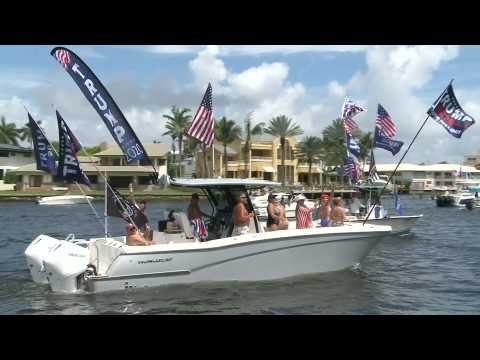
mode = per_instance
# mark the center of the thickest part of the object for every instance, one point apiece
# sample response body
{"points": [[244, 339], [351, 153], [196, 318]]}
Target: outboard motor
{"points": [[65, 264], [36, 252]]}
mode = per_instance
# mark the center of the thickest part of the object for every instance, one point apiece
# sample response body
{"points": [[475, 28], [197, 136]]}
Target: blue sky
{"points": [[307, 83]]}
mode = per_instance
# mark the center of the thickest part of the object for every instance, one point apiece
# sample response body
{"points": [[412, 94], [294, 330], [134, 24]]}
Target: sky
{"points": [[308, 83]]}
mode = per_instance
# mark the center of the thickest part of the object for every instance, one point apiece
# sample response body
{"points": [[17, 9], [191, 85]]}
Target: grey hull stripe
{"points": [[136, 276]]}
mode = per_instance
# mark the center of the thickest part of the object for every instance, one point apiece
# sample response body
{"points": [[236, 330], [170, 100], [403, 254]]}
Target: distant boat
{"points": [[64, 200]]}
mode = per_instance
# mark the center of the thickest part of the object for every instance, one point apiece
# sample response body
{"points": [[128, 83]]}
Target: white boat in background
{"points": [[64, 200], [107, 263]]}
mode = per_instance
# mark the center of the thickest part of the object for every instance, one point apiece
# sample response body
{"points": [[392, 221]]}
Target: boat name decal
{"points": [[155, 260]]}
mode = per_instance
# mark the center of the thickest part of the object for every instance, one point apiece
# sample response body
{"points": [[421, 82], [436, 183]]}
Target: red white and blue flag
{"points": [[385, 123], [202, 127], [350, 109], [448, 113], [352, 169], [349, 124]]}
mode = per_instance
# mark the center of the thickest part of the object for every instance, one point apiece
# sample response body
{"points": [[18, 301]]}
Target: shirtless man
{"points": [[134, 238], [338, 213], [195, 215], [241, 217], [324, 211]]}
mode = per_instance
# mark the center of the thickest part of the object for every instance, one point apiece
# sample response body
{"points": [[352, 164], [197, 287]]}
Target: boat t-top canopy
{"points": [[223, 183]]}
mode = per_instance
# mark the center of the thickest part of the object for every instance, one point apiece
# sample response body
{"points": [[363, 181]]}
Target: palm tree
{"points": [[309, 151], [9, 134], [226, 131], [249, 131], [26, 133], [281, 126], [176, 125]]}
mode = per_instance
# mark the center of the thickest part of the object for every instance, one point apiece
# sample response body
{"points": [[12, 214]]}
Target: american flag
{"points": [[202, 127], [372, 171], [352, 169], [349, 124], [350, 109], [63, 57], [385, 123]]}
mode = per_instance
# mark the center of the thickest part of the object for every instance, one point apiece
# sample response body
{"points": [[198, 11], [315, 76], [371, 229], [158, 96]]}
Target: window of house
{"points": [[437, 174], [3, 153], [448, 183], [447, 174], [26, 155], [161, 162], [116, 162]]}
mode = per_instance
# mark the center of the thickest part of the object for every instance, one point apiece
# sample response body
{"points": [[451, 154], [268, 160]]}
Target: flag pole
{"points": [[105, 209], [76, 183], [406, 151], [395, 170]]}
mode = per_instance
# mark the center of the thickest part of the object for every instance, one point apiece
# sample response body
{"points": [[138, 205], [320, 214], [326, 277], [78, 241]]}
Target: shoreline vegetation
{"points": [[12, 195]]}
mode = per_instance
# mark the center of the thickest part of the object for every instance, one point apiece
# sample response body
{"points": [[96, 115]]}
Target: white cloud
{"points": [[259, 82], [207, 68], [247, 50]]}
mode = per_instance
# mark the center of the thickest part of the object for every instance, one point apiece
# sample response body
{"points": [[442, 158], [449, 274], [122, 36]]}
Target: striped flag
{"points": [[63, 57], [202, 127], [350, 109], [384, 122], [349, 124]]}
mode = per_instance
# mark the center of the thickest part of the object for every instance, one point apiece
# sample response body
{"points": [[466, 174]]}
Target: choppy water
{"points": [[433, 271]]}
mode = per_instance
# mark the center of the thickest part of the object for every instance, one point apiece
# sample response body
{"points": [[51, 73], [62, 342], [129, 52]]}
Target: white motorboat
{"points": [[462, 198], [64, 200], [107, 263]]}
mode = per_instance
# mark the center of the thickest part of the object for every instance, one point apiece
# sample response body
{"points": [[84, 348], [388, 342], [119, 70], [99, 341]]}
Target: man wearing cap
{"points": [[303, 214], [324, 211]]}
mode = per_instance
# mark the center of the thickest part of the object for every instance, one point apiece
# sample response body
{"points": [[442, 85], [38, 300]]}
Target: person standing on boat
{"points": [[303, 214], [142, 206], [324, 211], [195, 215], [338, 214], [274, 211], [241, 217], [356, 205]]}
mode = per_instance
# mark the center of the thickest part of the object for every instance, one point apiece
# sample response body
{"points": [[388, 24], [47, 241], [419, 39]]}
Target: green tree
{"points": [[309, 151], [9, 134], [250, 130], [283, 127], [226, 132], [178, 122], [334, 148]]}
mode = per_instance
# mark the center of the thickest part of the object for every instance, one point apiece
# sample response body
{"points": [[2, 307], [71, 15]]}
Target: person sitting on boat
{"points": [[135, 238], [324, 211], [303, 214], [195, 215], [337, 215], [241, 217], [142, 206], [356, 205]]}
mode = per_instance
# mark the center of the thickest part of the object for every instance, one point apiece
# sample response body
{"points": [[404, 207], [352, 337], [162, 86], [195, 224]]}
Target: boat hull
{"points": [[64, 200], [401, 225], [313, 251]]}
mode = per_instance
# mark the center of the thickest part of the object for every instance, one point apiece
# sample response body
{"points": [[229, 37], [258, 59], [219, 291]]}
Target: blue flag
{"points": [[104, 104], [68, 165], [398, 207], [384, 142], [43, 149], [353, 147]]}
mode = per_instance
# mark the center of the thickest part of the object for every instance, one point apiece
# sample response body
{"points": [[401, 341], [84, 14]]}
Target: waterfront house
{"points": [[109, 160], [265, 161]]}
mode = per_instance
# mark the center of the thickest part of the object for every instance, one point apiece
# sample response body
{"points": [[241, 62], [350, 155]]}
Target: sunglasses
{"points": [[243, 197]]}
